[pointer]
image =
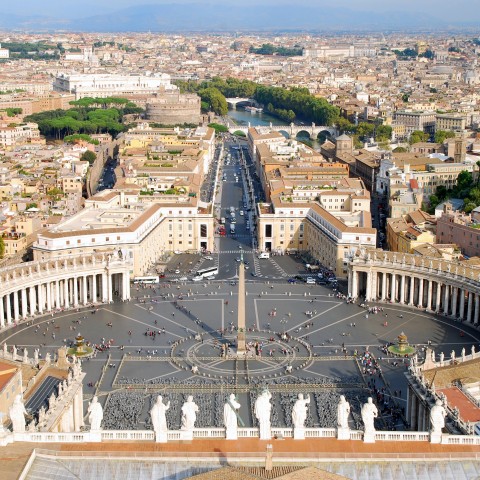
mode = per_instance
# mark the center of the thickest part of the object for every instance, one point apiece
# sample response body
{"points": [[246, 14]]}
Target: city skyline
{"points": [[171, 15]]}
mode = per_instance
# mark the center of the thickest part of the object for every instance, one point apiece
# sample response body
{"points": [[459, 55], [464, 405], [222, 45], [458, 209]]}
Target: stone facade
{"points": [[173, 108]]}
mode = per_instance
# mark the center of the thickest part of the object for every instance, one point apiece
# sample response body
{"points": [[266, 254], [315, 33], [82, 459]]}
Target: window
{"points": [[268, 230], [79, 241], [107, 239], [203, 230], [93, 240], [68, 242]]}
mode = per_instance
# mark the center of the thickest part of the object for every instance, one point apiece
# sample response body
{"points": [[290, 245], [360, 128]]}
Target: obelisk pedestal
{"points": [[241, 344]]}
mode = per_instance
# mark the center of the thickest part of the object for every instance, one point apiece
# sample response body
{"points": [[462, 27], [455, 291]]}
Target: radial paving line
{"points": [[146, 324]]}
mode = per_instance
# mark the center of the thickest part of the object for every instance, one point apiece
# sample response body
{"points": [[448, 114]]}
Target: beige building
{"points": [[452, 122], [115, 220], [329, 229], [12, 135]]}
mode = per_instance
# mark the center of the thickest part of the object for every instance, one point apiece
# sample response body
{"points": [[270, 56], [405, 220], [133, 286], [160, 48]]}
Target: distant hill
{"points": [[213, 17]]}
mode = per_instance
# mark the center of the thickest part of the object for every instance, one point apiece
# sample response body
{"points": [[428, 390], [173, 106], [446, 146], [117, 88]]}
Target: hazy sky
{"points": [[457, 10]]}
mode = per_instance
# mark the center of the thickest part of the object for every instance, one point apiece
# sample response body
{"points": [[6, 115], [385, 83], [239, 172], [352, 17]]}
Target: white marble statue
{"points": [[25, 356], [263, 408], [437, 418], [369, 414], [442, 357], [35, 357], [17, 414], [48, 358], [343, 412], [230, 417], [14, 352], [189, 414], [95, 416], [158, 415], [51, 401], [299, 412], [473, 351], [41, 415], [60, 389], [463, 354], [452, 355]]}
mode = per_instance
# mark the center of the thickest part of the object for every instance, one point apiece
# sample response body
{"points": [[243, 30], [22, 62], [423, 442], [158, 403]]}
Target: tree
{"points": [[442, 135], [88, 156], [344, 125], [2, 247], [215, 100], [383, 133], [418, 136], [399, 150]]}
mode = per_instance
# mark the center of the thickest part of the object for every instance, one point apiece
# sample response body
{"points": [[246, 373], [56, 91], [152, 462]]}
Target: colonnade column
{"points": [[16, 307], [412, 290], [384, 285], [429, 295], [24, 302], [402, 290], [469, 307], [75, 291], [392, 288], [104, 288], [49, 295], [454, 302], [439, 296], [33, 300], [354, 284], [420, 293], [462, 303], [66, 302], [446, 300], [41, 298], [110, 287], [2, 313], [126, 287], [477, 309], [94, 288], [84, 290], [9, 309], [57, 294]]}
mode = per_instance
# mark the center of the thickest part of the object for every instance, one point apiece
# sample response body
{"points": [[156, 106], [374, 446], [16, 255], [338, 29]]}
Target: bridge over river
{"points": [[291, 131]]}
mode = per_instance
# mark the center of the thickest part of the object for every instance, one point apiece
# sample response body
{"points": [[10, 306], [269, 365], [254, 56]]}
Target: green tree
{"points": [[399, 150], [2, 247], [418, 136], [215, 100], [442, 135], [88, 156], [383, 133]]}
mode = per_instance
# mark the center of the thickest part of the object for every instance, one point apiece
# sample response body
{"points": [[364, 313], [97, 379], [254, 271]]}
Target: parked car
{"points": [[311, 281], [292, 280]]}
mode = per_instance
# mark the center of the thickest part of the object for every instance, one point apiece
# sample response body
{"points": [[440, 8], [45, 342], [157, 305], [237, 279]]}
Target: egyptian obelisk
{"points": [[241, 347]]}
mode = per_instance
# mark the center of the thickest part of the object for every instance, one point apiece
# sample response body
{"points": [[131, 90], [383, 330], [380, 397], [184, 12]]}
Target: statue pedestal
{"points": [[94, 436], [436, 437], [231, 434], [369, 437], [343, 433], [161, 437], [299, 434], [186, 434]]}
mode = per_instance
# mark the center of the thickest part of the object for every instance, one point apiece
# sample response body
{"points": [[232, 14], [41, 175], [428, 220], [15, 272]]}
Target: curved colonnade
{"points": [[44, 286], [436, 285]]}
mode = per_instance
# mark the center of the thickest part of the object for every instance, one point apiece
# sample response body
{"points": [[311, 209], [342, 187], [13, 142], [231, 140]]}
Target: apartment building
{"points": [[330, 228], [459, 228], [113, 220], [11, 135], [411, 120], [453, 122]]}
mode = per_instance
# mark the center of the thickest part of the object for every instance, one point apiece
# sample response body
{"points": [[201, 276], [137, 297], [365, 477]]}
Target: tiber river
{"points": [[242, 117]]}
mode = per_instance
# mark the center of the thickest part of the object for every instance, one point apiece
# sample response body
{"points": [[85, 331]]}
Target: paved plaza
{"points": [[303, 339]]}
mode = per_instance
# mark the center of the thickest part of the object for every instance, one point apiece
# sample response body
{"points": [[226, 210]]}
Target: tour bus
{"points": [[205, 273], [232, 228], [153, 279]]}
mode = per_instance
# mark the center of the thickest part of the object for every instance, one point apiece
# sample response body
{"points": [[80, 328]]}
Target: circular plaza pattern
{"points": [[151, 344]]}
